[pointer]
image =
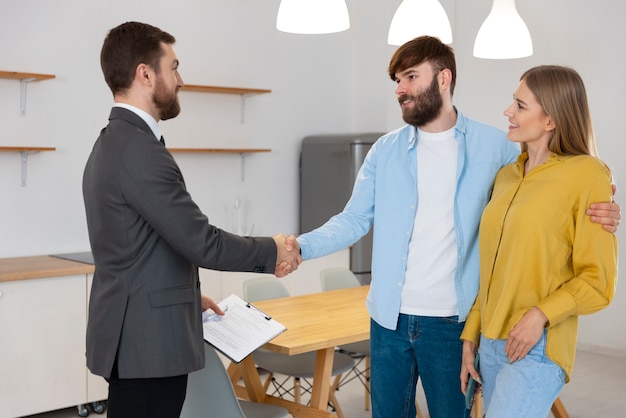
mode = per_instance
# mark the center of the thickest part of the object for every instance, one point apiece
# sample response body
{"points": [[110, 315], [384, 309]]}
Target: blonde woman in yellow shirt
{"points": [[538, 273]]}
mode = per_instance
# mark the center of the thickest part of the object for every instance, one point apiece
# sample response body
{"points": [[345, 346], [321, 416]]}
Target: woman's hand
{"points": [[467, 365], [525, 334]]}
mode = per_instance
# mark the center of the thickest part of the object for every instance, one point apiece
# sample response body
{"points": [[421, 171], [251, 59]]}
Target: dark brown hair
{"points": [[128, 45], [423, 49]]}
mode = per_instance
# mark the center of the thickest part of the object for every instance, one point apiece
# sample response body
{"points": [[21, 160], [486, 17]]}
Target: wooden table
{"points": [[315, 322]]}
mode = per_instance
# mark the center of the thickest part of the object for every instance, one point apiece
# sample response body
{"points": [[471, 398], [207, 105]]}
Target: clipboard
{"points": [[241, 330]]}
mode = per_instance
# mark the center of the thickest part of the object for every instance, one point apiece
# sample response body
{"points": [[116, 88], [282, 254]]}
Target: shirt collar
{"points": [[152, 124]]}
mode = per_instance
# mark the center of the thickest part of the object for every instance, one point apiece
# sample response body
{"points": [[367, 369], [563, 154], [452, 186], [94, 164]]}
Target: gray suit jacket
{"points": [[148, 238]]}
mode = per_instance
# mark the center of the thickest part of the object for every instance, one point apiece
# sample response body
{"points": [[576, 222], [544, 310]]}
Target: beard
{"points": [[166, 102], [426, 105]]}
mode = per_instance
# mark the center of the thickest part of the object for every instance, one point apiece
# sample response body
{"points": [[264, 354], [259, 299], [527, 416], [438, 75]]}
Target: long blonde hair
{"points": [[561, 93]]}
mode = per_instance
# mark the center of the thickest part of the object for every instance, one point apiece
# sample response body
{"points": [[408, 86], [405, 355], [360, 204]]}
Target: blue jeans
{"points": [[426, 347], [525, 388]]}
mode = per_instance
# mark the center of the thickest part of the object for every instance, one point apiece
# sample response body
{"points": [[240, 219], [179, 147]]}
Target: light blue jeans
{"points": [[426, 347], [526, 388]]}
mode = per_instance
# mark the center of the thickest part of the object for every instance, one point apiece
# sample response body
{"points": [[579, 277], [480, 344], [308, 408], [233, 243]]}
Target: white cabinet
{"points": [[42, 341]]}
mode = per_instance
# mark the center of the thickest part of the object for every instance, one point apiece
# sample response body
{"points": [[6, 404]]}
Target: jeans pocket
{"points": [[451, 319], [560, 373]]}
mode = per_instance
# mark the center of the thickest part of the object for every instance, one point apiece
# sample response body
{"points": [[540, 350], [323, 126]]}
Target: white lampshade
{"points": [[312, 16], [503, 34], [419, 17]]}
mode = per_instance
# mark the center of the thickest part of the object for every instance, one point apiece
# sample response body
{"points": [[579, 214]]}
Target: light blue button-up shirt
{"points": [[385, 195]]}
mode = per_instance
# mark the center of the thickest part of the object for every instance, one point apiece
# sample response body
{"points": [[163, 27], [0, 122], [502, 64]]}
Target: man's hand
{"points": [[292, 245], [607, 214], [288, 256], [208, 303]]}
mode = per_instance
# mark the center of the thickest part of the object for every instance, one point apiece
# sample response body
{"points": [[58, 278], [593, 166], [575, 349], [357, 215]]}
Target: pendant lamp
{"points": [[503, 34], [419, 17], [312, 16]]}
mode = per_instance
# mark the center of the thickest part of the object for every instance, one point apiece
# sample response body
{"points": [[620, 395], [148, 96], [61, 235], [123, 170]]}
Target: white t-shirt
{"points": [[429, 288]]}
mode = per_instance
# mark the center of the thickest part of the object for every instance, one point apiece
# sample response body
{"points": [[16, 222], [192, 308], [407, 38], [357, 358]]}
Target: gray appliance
{"points": [[328, 168]]}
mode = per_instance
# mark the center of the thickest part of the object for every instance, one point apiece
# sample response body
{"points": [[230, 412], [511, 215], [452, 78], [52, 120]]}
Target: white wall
{"points": [[334, 83], [220, 43], [589, 37]]}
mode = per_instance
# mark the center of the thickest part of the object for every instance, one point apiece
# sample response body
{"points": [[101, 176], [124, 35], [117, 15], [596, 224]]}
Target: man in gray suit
{"points": [[148, 237]]}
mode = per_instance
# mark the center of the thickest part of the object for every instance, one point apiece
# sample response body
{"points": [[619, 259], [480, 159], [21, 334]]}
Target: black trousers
{"points": [[160, 397]]}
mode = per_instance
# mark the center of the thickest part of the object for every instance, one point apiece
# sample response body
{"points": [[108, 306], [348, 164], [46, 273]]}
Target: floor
{"points": [[597, 389]]}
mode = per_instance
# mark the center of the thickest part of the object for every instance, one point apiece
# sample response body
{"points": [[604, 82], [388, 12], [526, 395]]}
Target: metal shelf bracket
{"points": [[23, 86], [24, 157]]}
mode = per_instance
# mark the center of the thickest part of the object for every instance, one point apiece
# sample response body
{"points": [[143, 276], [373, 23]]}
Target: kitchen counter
{"points": [[43, 320], [37, 267]]}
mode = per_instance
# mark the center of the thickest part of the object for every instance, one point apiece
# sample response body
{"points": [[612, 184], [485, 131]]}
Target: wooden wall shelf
{"points": [[27, 149], [24, 152], [15, 75], [223, 90], [243, 92], [241, 151], [24, 78], [220, 150]]}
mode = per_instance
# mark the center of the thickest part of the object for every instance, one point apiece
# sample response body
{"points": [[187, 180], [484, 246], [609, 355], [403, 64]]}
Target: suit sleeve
{"points": [[153, 186]]}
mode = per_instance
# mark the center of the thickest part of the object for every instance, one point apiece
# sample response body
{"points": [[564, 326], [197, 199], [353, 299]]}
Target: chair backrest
{"points": [[263, 288], [209, 391], [338, 278]]}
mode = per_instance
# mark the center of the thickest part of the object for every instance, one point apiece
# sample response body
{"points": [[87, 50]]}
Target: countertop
{"points": [[41, 266]]}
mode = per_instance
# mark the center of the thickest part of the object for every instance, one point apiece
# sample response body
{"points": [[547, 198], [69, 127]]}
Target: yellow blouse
{"points": [[539, 248]]}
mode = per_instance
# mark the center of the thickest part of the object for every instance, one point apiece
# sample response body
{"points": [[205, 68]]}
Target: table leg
{"points": [[253, 390], [321, 378], [233, 373], [558, 409], [251, 379]]}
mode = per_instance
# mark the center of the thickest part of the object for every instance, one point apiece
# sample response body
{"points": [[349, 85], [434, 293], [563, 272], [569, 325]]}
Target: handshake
{"points": [[288, 256]]}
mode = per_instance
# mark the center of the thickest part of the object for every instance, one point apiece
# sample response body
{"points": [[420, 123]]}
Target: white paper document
{"points": [[241, 330]]}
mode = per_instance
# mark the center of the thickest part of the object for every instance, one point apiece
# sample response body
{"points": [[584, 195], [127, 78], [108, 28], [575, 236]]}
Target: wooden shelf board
{"points": [[24, 76], [21, 149], [223, 90], [220, 150]]}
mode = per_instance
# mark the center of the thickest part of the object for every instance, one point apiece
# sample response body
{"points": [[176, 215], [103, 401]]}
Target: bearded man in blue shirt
{"points": [[423, 187]]}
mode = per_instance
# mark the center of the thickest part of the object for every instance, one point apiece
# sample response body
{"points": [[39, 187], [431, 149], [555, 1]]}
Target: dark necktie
{"points": [[162, 140]]}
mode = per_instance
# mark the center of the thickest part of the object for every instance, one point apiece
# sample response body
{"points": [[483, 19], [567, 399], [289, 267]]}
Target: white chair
{"points": [[300, 366], [210, 394], [340, 278]]}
